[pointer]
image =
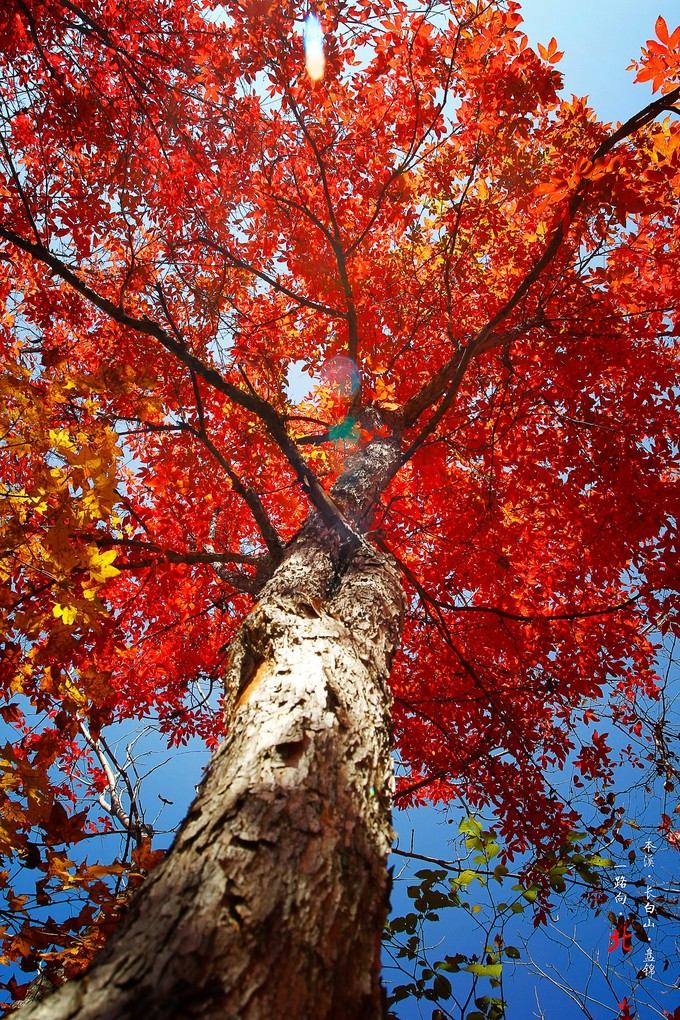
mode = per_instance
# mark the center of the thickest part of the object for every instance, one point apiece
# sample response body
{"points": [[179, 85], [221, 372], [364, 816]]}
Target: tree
{"points": [[475, 503]]}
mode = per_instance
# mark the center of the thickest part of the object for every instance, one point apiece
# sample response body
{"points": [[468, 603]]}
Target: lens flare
{"points": [[312, 37], [340, 376]]}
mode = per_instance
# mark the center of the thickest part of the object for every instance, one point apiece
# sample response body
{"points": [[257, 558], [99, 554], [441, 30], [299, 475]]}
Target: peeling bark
{"points": [[272, 900]]}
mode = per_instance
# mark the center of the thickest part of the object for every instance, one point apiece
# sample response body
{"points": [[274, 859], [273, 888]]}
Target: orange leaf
{"points": [[145, 858], [551, 53], [661, 29]]}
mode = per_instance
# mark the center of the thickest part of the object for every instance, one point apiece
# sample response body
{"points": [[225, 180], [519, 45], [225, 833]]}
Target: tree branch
{"points": [[256, 405], [450, 376], [576, 614]]}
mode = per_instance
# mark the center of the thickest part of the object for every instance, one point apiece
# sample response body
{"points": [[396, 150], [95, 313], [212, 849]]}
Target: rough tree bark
{"points": [[272, 900]]}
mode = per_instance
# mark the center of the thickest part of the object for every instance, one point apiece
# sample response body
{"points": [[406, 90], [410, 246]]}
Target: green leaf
{"points": [[584, 872], [451, 963], [400, 992], [463, 880], [574, 837], [471, 826], [406, 924], [442, 987], [427, 875], [435, 899], [492, 970]]}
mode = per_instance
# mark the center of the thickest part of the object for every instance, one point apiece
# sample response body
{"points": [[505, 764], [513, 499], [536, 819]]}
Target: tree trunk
{"points": [[272, 900]]}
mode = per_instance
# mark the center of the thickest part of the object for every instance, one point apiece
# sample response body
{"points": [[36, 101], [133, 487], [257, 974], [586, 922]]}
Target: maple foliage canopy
{"points": [[459, 257]]}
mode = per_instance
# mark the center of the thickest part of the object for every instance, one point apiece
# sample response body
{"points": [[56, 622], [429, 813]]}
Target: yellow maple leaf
{"points": [[101, 564], [66, 613]]}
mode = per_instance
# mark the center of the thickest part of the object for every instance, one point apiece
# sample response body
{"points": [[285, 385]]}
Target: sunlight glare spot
{"points": [[340, 376], [315, 61]]}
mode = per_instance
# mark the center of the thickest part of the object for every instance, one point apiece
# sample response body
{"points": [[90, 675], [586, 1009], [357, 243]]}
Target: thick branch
{"points": [[451, 374], [574, 614], [171, 555], [256, 405]]}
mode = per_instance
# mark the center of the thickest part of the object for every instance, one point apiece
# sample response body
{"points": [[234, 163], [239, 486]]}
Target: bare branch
{"points": [[135, 830]]}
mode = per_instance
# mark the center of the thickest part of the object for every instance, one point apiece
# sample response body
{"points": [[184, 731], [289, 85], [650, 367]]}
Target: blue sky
{"points": [[599, 38]]}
